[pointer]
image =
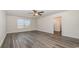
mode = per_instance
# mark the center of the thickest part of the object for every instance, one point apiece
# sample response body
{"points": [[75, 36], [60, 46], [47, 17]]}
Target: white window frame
{"points": [[24, 24]]}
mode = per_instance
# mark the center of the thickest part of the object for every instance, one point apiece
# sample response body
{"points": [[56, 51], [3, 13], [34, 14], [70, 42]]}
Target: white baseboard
{"points": [[20, 31]]}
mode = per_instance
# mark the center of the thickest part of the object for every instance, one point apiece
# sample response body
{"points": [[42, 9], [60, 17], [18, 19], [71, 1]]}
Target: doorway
{"points": [[57, 26]]}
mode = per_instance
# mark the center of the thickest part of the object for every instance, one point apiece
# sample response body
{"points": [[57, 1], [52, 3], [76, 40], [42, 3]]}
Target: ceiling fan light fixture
{"points": [[36, 14]]}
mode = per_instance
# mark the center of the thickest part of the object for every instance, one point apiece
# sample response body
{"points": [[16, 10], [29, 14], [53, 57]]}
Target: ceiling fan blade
{"points": [[41, 12], [34, 11]]}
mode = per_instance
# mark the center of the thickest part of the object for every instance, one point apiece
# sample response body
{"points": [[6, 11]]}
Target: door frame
{"points": [[60, 24]]}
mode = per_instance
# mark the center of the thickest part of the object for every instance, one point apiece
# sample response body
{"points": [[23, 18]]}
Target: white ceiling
{"points": [[26, 13]]}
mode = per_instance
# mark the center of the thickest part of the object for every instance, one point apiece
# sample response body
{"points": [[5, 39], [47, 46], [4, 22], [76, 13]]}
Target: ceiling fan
{"points": [[36, 13]]}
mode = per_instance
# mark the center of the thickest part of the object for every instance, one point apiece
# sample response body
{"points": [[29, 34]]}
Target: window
{"points": [[27, 22], [22, 23]]}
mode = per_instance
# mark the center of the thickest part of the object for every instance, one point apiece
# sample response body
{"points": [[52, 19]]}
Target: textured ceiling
{"points": [[27, 13]]}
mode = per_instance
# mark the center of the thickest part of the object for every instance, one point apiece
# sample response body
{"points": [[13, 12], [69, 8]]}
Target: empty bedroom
{"points": [[39, 28]]}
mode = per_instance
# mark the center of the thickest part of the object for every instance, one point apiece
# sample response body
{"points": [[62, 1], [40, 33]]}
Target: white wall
{"points": [[2, 27], [45, 24], [70, 23], [12, 25]]}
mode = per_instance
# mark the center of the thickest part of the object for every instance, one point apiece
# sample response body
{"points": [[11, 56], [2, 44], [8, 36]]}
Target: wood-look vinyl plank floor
{"points": [[37, 39]]}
